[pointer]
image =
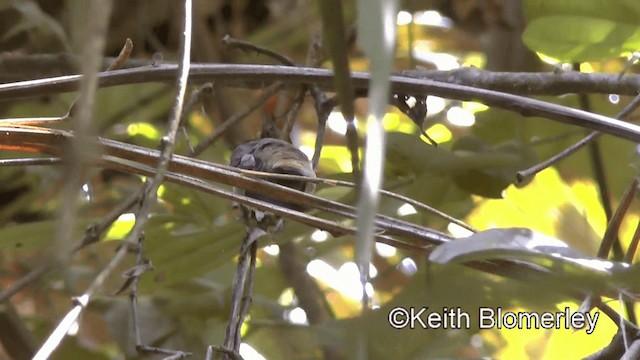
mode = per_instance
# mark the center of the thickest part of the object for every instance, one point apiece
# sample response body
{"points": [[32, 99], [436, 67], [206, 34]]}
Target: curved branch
{"points": [[256, 75]]}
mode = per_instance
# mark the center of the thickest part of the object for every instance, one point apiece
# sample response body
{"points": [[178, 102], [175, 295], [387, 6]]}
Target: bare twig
{"points": [[30, 161], [235, 119], [16, 68], [246, 299], [133, 278], [241, 288], [333, 182], [597, 166], [613, 226], [256, 75], [521, 175], [247, 46], [196, 97], [633, 246], [323, 108]]}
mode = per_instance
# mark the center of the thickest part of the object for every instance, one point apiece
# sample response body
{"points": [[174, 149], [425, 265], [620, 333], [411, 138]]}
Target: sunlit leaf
{"points": [[524, 245]]}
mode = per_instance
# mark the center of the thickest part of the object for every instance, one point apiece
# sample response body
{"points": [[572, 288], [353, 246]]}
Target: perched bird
{"points": [[272, 156]]}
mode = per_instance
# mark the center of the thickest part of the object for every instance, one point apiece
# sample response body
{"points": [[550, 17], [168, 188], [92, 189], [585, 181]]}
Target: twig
{"points": [[292, 114], [167, 145], [81, 150], [255, 75], [117, 63], [323, 109], [193, 167], [151, 186], [30, 161], [221, 349], [241, 288], [231, 42], [196, 97], [616, 317], [333, 182], [246, 299], [93, 233], [48, 141], [235, 119], [524, 174], [633, 246], [37, 66], [54, 339], [601, 179], [315, 57], [133, 275], [613, 226]]}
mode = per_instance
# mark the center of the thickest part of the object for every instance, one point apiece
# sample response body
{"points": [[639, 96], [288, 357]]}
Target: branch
{"points": [[256, 75]]}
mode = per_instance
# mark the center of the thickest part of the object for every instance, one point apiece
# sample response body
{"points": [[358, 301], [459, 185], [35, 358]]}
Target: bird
{"points": [[272, 156]]}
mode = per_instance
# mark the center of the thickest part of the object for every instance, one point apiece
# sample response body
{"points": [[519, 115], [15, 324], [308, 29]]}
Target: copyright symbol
{"points": [[398, 317]]}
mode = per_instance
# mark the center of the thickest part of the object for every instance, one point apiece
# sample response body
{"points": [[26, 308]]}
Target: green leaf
{"points": [[33, 236], [523, 245], [582, 30], [178, 256], [473, 165], [581, 38]]}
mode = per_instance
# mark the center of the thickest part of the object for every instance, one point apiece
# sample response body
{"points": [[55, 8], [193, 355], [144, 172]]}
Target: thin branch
{"points": [[333, 182], [256, 75], [196, 97], [49, 141], [524, 174], [597, 166], [30, 161], [133, 278], [247, 46], [16, 68], [247, 299], [55, 338], [241, 288], [323, 108], [190, 172], [613, 226], [235, 119], [633, 246], [167, 146]]}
